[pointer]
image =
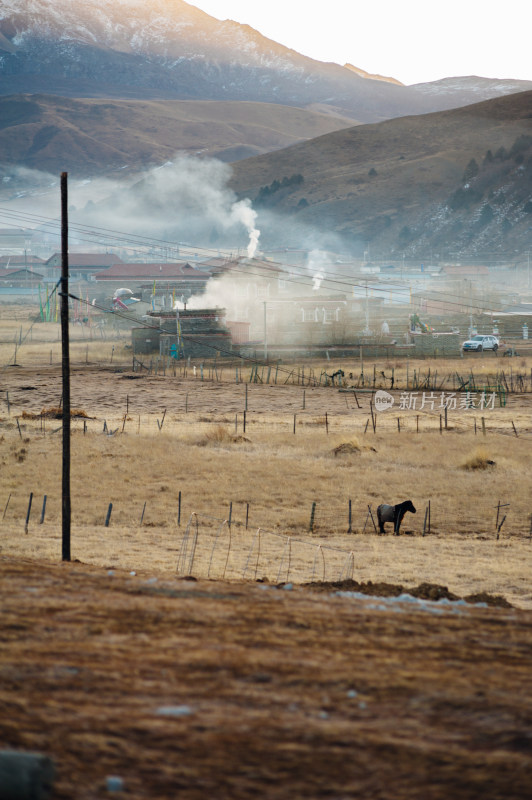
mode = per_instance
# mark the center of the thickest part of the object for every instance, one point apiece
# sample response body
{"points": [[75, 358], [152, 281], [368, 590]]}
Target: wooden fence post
{"points": [[43, 510], [350, 518], [373, 521], [108, 516], [312, 515], [28, 513], [9, 498]]}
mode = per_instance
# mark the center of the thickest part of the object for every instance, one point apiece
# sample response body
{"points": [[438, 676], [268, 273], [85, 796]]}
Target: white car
{"points": [[481, 341]]}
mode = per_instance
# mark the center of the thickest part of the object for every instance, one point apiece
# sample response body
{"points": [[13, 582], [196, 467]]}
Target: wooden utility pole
{"points": [[66, 505]]}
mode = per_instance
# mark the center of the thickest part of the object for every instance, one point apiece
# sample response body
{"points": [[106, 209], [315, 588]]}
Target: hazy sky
{"points": [[413, 40]]}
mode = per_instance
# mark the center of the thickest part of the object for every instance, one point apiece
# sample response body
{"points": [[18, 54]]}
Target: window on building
{"points": [[330, 315], [262, 289]]}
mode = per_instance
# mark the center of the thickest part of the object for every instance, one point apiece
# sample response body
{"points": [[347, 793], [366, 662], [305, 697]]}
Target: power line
{"points": [[341, 282]]}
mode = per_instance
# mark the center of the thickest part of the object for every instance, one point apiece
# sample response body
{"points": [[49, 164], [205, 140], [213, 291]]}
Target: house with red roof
{"points": [[19, 276], [81, 265], [165, 280]]}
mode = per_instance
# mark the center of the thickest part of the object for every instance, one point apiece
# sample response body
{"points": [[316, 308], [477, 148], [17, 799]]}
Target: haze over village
{"points": [[265, 381], [423, 205]]}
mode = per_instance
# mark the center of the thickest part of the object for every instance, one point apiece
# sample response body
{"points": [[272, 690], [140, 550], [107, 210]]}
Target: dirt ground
{"points": [[207, 689]]}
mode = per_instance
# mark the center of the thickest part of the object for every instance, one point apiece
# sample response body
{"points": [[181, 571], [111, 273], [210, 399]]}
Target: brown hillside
{"points": [[87, 135], [372, 180]]}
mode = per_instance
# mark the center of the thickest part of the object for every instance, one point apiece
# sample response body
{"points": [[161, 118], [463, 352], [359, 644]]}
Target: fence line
{"points": [[221, 551]]}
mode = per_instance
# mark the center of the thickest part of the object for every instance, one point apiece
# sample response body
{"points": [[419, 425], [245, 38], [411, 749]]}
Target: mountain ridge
{"points": [[172, 50], [89, 135]]}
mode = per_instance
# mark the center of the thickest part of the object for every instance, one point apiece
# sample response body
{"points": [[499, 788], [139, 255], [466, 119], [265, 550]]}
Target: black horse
{"points": [[395, 514], [338, 374]]}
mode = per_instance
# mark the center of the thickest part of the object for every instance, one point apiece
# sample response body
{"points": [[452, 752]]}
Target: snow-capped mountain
{"points": [[449, 92], [170, 49]]}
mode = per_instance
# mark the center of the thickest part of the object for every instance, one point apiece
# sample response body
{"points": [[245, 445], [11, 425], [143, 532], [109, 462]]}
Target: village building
{"points": [[19, 283], [164, 283], [15, 240], [17, 260], [19, 276], [81, 266], [196, 333]]}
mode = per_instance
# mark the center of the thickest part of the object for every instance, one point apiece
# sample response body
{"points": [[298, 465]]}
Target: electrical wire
{"points": [[297, 275]]}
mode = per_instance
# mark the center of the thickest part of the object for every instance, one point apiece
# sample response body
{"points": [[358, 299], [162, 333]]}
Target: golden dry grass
{"points": [[270, 473], [480, 458]]}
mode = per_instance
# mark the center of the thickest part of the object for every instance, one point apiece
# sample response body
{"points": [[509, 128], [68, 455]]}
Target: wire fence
{"points": [[218, 549]]}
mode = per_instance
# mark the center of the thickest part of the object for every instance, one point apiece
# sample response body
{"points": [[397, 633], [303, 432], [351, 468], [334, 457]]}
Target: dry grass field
{"points": [[192, 658], [179, 448]]}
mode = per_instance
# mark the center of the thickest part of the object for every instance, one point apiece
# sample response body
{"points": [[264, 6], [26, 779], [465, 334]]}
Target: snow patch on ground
{"points": [[404, 602]]}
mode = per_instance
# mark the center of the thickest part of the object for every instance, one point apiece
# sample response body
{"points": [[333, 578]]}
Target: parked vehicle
{"points": [[481, 341]]}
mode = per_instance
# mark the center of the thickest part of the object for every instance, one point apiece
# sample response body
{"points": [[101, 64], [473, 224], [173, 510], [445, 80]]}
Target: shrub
{"points": [[471, 171], [478, 459], [464, 198], [486, 215]]}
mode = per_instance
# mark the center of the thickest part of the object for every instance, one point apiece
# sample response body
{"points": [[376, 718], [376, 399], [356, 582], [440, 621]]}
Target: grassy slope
{"points": [[50, 133], [418, 160]]}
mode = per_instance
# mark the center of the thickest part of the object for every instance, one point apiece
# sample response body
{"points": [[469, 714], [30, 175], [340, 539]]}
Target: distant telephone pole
{"points": [[65, 362]]}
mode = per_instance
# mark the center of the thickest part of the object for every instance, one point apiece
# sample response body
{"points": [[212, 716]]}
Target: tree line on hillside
{"points": [[479, 180], [265, 193]]}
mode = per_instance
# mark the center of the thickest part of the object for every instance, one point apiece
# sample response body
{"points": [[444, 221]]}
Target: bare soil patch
{"points": [[241, 690]]}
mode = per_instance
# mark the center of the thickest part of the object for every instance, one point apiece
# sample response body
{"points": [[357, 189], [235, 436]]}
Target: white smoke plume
{"points": [[243, 212], [316, 263], [316, 280], [185, 200]]}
